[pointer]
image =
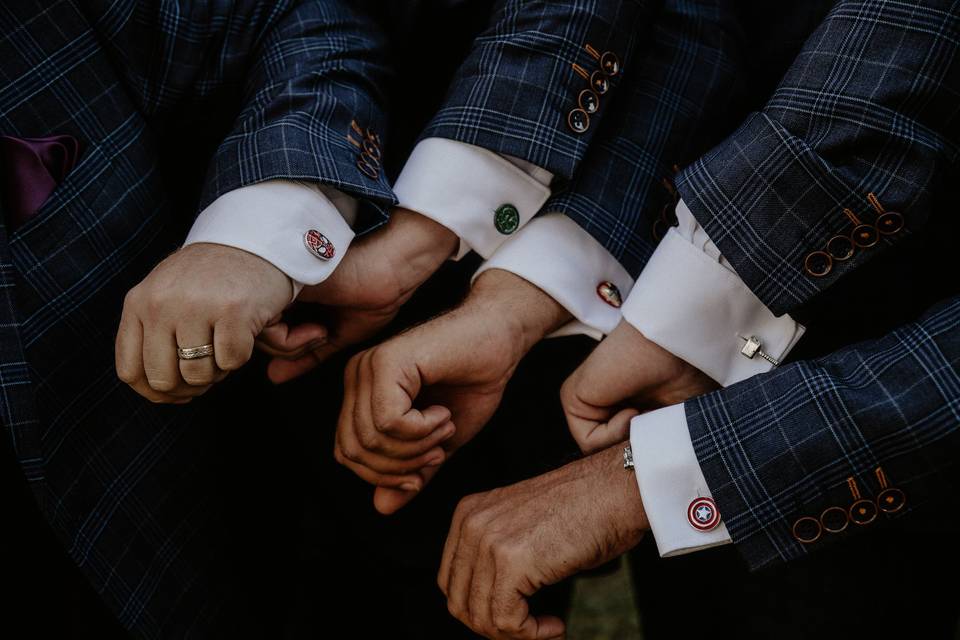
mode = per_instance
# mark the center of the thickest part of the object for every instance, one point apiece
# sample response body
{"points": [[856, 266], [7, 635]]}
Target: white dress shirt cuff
{"points": [[554, 253], [691, 302], [670, 479], [462, 187], [269, 219]]}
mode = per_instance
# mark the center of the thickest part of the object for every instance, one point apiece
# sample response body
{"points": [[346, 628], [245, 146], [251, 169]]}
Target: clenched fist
{"points": [[413, 400], [202, 294], [625, 374]]}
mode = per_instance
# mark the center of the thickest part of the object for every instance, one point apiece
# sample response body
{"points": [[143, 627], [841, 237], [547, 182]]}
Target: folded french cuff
{"points": [[670, 480], [271, 219], [479, 195], [554, 253], [699, 310]]}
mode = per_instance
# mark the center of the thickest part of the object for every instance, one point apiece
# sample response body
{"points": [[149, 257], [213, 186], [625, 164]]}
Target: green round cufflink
{"points": [[506, 219]]}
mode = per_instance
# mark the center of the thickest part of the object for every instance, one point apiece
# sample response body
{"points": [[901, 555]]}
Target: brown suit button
{"points": [[807, 530], [863, 512], [834, 519], [599, 82], [865, 236], [891, 500], [372, 149], [840, 248], [367, 168], [818, 263], [889, 223], [610, 63], [578, 120], [589, 101]]}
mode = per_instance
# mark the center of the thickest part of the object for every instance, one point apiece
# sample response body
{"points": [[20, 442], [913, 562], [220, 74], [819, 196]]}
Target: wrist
{"points": [[421, 245], [624, 505], [525, 312]]}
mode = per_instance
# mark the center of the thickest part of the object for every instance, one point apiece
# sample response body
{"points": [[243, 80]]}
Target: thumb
{"points": [[388, 501], [285, 341], [606, 434], [544, 627]]}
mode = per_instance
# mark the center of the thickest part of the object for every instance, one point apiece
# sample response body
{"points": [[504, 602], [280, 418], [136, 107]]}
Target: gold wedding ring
{"points": [[193, 353]]}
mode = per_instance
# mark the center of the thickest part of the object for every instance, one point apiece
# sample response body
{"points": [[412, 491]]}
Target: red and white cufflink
{"points": [[319, 245], [703, 514]]}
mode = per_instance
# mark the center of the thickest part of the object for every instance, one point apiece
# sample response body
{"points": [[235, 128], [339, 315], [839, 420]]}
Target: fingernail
{"points": [[434, 460], [448, 430], [409, 486], [316, 344]]}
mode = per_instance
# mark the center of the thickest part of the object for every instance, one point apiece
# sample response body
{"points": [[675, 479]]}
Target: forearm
{"points": [[514, 309]]}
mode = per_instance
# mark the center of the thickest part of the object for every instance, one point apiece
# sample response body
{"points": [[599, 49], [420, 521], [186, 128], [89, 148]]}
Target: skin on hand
{"points": [[202, 294], [376, 277], [413, 400], [505, 545], [625, 375]]}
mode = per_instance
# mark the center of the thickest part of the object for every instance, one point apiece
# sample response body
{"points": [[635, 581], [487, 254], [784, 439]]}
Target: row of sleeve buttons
{"points": [[862, 511], [841, 247], [588, 100]]}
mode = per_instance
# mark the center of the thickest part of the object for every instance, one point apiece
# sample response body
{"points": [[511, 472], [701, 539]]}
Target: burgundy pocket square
{"points": [[31, 170]]}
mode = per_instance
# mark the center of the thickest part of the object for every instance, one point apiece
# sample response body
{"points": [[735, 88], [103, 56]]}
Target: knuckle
{"points": [[231, 355], [350, 453], [368, 439], [473, 525], [163, 385], [197, 379], [127, 373]]}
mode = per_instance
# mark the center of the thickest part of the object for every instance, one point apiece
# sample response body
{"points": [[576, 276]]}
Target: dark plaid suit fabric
{"points": [[869, 105], [513, 92], [676, 100], [153, 91], [782, 445]]}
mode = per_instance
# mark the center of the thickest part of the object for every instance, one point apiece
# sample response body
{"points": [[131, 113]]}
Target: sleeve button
{"points": [[578, 120], [807, 530], [589, 101], [610, 63], [818, 263]]}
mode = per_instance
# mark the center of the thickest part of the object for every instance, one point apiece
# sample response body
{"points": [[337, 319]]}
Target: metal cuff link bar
{"points": [[753, 347], [842, 247]]}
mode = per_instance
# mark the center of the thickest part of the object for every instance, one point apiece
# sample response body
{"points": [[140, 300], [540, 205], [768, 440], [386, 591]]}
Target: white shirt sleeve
{"points": [[670, 479], [555, 253], [691, 302], [270, 219], [463, 187]]}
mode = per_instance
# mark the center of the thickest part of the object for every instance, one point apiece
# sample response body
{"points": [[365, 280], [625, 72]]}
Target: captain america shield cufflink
{"points": [[703, 514]]}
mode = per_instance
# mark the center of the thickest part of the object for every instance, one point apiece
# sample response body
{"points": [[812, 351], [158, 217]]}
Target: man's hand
{"points": [[202, 294], [376, 277], [504, 545], [413, 400], [625, 374]]}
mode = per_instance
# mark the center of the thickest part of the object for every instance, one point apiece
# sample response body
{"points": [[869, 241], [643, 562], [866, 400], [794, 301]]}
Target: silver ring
{"points": [[193, 353]]}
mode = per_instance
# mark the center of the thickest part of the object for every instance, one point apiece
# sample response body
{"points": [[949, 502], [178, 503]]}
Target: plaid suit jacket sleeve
{"points": [[869, 106], [309, 76], [514, 92], [779, 450]]}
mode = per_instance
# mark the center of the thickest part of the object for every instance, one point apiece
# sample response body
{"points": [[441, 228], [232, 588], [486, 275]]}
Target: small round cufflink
{"points": [[703, 515], [319, 245], [610, 294], [506, 219]]}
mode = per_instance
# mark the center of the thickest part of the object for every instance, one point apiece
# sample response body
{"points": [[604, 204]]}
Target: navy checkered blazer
{"points": [[871, 104], [174, 104]]}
